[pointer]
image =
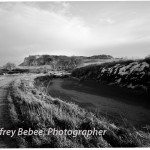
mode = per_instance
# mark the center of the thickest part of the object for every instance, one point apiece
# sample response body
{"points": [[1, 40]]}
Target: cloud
{"points": [[106, 21], [55, 6], [25, 27]]}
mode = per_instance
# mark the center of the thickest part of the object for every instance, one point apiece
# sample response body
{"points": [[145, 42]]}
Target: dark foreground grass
{"points": [[31, 107]]}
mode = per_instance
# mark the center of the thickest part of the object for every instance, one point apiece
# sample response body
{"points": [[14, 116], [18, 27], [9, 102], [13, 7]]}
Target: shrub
{"points": [[147, 59]]}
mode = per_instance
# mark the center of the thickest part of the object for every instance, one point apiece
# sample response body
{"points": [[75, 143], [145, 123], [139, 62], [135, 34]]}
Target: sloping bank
{"points": [[31, 107], [129, 74]]}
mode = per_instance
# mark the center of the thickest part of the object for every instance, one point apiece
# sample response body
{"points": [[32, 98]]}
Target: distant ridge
{"points": [[59, 62]]}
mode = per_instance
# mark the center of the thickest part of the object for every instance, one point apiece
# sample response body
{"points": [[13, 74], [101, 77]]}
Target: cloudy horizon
{"points": [[120, 29]]}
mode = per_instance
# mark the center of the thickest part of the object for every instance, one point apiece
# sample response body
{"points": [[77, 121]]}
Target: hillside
{"points": [[31, 107], [129, 74], [61, 62]]}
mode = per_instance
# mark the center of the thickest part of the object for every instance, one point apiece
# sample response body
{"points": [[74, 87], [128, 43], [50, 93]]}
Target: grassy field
{"points": [[31, 107], [88, 62], [109, 101]]}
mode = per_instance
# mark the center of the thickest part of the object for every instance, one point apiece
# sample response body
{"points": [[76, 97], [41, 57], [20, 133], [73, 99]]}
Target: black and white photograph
{"points": [[74, 74]]}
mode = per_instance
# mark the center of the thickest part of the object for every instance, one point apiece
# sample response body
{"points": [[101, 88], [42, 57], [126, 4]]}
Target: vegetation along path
{"points": [[5, 122]]}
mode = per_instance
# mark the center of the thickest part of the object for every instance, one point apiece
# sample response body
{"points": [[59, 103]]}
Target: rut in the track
{"points": [[5, 122]]}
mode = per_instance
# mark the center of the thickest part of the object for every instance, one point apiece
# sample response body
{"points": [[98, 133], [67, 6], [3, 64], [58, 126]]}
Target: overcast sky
{"points": [[74, 28]]}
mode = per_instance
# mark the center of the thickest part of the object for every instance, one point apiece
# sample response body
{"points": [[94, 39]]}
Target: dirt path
{"points": [[5, 141]]}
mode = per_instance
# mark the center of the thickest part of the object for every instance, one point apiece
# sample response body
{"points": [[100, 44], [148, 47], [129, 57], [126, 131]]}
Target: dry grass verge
{"points": [[31, 107]]}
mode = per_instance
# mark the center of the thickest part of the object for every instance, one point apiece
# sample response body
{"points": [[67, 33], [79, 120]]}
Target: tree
{"points": [[147, 59], [9, 66]]}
